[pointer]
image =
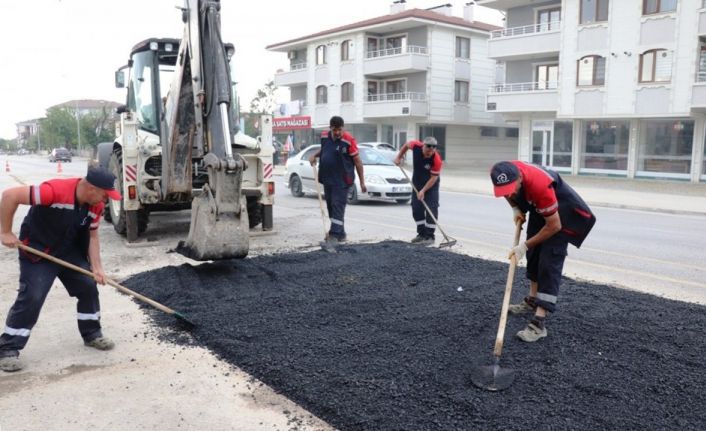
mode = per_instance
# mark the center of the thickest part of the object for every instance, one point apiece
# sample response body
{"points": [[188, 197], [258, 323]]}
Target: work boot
{"points": [[417, 239], [100, 343], [11, 362], [534, 331], [427, 241], [527, 305]]}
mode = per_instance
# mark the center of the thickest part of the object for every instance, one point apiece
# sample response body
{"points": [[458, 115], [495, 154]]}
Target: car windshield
{"points": [[371, 157]]}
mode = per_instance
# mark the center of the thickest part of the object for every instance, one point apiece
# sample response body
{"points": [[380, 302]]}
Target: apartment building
{"points": [[406, 75], [608, 87]]}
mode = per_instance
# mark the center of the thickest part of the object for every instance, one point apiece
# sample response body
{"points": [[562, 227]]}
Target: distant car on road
{"points": [[383, 179], [60, 155], [22, 152]]}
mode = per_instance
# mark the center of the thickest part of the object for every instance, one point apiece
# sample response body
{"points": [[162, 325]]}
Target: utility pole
{"points": [[39, 140]]}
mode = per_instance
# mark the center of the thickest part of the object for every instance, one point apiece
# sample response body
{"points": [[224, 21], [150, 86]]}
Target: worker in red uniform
{"points": [[63, 222], [339, 161], [558, 216], [426, 165]]}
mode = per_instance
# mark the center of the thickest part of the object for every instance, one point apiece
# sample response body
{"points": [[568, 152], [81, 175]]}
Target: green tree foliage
{"points": [[59, 129], [264, 102]]}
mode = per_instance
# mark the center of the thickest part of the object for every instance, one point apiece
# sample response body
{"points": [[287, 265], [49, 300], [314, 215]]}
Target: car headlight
{"points": [[374, 179]]}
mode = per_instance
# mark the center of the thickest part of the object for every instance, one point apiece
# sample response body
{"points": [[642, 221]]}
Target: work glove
{"points": [[517, 215], [518, 251]]}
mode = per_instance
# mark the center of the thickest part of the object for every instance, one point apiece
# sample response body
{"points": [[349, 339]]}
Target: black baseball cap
{"points": [[504, 175], [103, 179]]}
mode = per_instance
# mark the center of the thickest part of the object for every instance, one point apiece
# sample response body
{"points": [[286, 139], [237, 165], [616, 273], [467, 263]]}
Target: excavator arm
{"points": [[197, 134]]}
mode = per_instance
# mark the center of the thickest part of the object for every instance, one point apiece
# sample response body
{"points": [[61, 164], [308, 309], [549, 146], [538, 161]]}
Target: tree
{"points": [[59, 129], [264, 102]]}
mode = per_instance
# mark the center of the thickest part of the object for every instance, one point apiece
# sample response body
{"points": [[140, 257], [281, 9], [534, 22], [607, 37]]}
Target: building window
{"points": [[658, 6], [346, 50], [547, 76], [512, 132], [320, 55], [395, 45], [321, 95], [396, 89], [489, 132], [463, 47], [373, 88], [591, 71], [461, 91], [347, 92], [373, 45], [605, 145], [665, 146], [548, 19], [656, 66], [594, 11], [701, 72]]}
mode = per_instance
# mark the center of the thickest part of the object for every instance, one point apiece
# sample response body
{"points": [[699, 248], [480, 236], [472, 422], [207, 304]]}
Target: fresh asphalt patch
{"points": [[385, 337]]}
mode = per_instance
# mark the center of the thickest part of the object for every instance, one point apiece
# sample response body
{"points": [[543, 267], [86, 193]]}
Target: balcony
{"points": [[296, 75], [392, 61], [529, 41], [698, 92], [523, 97], [395, 105]]}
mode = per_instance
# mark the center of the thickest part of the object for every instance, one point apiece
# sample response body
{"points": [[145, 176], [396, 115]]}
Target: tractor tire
{"points": [[254, 212], [118, 215]]}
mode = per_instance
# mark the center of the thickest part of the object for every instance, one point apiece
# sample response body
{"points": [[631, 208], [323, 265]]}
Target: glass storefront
{"points": [[605, 145], [552, 142], [665, 147]]}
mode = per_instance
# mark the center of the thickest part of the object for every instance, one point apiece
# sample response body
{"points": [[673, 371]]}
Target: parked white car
{"points": [[386, 149], [384, 180]]}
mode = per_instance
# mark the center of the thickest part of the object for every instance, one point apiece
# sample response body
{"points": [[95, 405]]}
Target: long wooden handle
{"points": [[321, 202], [499, 339], [123, 289]]}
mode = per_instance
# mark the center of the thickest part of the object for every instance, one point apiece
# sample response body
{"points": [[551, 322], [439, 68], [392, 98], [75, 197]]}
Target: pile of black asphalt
{"points": [[385, 337]]}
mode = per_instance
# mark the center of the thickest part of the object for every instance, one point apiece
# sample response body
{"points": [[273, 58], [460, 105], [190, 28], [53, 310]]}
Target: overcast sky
{"points": [[54, 51]]}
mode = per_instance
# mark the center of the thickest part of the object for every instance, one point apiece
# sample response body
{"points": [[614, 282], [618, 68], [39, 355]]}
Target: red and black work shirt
{"points": [[56, 223], [424, 167], [336, 166], [544, 193]]}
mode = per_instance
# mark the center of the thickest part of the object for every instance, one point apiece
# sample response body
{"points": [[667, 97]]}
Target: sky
{"points": [[54, 51]]}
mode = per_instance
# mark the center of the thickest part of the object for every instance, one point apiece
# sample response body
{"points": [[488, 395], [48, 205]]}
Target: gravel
{"points": [[385, 337]]}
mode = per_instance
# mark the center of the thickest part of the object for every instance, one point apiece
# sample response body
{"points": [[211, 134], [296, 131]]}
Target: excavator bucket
{"points": [[216, 234]]}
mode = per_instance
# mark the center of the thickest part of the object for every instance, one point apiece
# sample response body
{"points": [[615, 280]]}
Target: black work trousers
{"points": [[36, 279], [426, 226], [545, 263], [336, 200]]}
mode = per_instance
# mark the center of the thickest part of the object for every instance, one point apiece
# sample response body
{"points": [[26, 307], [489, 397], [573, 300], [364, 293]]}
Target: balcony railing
{"points": [[297, 66], [526, 29], [523, 86], [409, 49], [387, 97], [701, 74]]}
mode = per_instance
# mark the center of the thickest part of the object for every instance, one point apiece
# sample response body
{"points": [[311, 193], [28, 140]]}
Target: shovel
{"points": [[448, 241], [492, 377], [325, 244], [186, 323]]}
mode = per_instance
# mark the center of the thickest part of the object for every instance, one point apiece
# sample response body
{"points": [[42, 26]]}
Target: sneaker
{"points": [[100, 343], [532, 333], [524, 307], [417, 239], [11, 363]]}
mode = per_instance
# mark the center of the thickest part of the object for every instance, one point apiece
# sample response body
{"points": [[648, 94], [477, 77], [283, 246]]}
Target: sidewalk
{"points": [[642, 194]]}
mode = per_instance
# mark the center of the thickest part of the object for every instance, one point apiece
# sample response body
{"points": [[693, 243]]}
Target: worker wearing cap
{"points": [[339, 161], [426, 164], [63, 222], [558, 216]]}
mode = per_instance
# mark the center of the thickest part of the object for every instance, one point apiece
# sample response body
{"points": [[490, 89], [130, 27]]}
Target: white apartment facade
{"points": [[407, 75], [608, 87]]}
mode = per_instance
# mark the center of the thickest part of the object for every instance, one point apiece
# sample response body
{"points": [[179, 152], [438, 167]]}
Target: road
{"points": [[652, 252]]}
